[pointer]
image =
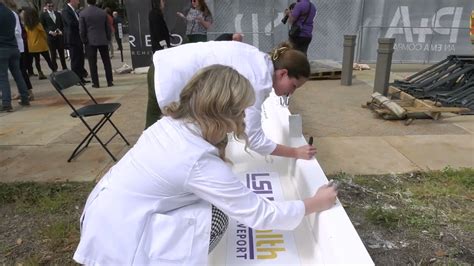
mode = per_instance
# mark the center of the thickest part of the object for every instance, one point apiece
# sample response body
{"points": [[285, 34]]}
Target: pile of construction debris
{"points": [[449, 82], [447, 86]]}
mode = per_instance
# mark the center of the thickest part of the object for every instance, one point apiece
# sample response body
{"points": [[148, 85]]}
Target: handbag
{"points": [[295, 29]]}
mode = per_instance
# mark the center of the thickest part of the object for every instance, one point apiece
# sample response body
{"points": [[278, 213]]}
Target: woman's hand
{"points": [[203, 22], [306, 152], [323, 199], [180, 15]]}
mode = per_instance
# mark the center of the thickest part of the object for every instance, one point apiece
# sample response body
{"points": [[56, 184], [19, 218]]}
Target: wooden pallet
{"points": [[323, 71], [335, 74], [399, 105]]}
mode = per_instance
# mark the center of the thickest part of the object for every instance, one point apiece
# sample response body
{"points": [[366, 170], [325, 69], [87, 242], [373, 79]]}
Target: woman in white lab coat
{"points": [[284, 69], [154, 206]]}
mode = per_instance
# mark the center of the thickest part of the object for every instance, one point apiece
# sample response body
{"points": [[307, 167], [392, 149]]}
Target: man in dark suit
{"points": [[53, 25], [72, 38], [95, 33]]}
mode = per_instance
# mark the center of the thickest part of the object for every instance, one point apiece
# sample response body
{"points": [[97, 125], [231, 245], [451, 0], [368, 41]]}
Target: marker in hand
{"points": [[310, 141]]}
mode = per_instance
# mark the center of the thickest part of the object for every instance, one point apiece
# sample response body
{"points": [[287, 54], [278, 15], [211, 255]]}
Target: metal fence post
{"points": [[348, 59], [384, 65]]}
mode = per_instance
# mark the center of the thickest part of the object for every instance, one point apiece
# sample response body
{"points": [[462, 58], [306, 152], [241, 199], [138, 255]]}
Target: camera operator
{"points": [[301, 15]]}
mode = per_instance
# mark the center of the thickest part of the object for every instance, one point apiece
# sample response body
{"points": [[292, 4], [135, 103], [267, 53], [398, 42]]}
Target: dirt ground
{"points": [[415, 219]]}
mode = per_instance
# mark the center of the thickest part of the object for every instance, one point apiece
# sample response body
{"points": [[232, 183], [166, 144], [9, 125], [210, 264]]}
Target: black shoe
{"points": [[110, 84], [24, 103], [41, 76], [84, 81], [6, 108], [95, 86]]}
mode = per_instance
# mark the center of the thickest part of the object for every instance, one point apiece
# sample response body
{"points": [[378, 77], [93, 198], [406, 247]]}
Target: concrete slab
{"points": [[436, 152], [329, 109], [360, 156], [49, 163], [33, 133], [465, 122], [35, 142]]}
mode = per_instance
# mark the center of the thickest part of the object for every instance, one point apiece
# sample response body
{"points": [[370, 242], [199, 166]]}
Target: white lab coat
{"points": [[174, 68], [154, 206]]}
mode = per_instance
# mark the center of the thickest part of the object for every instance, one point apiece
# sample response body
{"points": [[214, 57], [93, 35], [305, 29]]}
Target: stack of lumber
{"points": [[398, 105]]}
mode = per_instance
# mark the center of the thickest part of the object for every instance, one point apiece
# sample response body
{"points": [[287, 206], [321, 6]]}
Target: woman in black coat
{"points": [[158, 29]]}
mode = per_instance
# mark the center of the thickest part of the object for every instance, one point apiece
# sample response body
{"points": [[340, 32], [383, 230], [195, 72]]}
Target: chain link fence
{"points": [[426, 31]]}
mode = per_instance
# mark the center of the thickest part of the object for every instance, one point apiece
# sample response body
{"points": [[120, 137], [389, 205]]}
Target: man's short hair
{"points": [[92, 2]]}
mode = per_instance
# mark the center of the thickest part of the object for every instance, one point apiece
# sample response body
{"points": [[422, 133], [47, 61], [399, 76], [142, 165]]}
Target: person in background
{"points": [[238, 37], [10, 58], [37, 40], [96, 35], [53, 25], [73, 40], [169, 199], [159, 33], [110, 20], [302, 15], [28, 56], [198, 21], [117, 20], [282, 71], [20, 35], [160, 39]]}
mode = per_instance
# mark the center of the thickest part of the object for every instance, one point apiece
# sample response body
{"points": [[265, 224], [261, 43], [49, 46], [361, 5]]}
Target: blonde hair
{"points": [[296, 62], [215, 99]]}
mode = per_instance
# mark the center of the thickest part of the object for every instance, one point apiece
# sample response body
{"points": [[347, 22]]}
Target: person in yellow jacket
{"points": [[37, 40]]}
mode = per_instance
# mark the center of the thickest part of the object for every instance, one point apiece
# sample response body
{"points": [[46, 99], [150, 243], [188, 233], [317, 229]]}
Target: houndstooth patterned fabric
{"points": [[219, 225]]}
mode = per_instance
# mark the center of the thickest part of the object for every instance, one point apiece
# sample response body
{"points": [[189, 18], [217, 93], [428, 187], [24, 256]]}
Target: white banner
{"points": [[246, 246]]}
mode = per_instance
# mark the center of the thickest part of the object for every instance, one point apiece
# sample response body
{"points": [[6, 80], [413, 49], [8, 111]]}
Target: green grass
{"points": [[382, 216], [51, 211], [425, 201], [61, 234], [43, 197]]}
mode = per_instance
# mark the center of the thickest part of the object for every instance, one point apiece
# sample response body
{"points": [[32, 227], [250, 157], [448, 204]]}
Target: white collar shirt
{"points": [[52, 15]]}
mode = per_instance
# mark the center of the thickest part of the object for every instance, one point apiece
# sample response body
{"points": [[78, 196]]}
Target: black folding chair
{"points": [[66, 79]]}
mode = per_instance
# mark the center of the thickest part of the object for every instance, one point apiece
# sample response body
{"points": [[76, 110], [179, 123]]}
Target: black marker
{"points": [[310, 141]]}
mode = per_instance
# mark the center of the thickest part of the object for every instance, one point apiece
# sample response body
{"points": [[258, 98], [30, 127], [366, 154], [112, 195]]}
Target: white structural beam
{"points": [[321, 239]]}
